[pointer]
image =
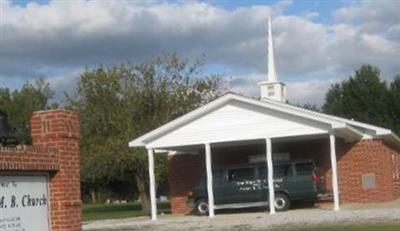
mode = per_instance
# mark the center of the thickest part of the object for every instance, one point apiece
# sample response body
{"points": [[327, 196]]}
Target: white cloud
{"points": [[310, 15], [371, 15], [64, 84], [245, 84], [299, 92], [300, 45], [64, 36], [310, 91], [76, 33]]}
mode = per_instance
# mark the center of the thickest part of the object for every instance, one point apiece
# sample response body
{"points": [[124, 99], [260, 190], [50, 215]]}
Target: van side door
{"points": [[219, 186], [283, 180], [242, 186]]}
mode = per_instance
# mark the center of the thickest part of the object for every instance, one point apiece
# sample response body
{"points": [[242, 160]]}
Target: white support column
{"points": [[152, 185], [335, 184], [270, 165], [209, 181]]}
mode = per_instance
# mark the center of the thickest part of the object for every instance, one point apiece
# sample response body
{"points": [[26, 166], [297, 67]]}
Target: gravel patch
{"points": [[249, 221]]}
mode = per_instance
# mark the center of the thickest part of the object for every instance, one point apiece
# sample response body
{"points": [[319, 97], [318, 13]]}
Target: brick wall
{"points": [[185, 171], [55, 150], [28, 158], [395, 157], [354, 160], [363, 157], [60, 130]]}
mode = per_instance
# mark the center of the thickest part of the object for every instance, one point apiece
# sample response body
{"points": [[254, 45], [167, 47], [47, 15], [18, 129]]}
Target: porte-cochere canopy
{"points": [[234, 118]]}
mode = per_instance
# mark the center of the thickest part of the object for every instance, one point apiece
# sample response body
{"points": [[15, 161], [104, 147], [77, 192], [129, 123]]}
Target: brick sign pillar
{"points": [[59, 130]]}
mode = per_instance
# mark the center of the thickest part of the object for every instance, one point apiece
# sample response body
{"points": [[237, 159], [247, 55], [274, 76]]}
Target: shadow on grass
{"points": [[118, 211]]}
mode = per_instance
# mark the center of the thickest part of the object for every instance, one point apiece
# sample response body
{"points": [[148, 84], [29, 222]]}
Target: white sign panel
{"points": [[24, 203]]}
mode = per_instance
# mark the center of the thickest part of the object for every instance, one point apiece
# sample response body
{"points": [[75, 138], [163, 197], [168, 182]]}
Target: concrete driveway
{"points": [[252, 221]]}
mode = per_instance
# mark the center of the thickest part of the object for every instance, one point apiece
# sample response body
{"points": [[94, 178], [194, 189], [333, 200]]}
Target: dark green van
{"points": [[242, 186]]}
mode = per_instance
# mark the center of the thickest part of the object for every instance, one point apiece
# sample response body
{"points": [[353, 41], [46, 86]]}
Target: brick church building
{"points": [[356, 162]]}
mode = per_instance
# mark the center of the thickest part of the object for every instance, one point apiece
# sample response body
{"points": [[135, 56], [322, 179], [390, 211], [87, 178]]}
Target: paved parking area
{"points": [[251, 221]]}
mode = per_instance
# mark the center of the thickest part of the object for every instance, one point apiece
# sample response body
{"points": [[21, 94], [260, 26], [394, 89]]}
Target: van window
{"points": [[281, 170], [304, 169], [262, 172], [241, 174], [218, 176]]}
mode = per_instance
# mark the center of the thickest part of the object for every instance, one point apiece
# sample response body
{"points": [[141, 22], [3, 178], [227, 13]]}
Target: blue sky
{"points": [[324, 7], [317, 43]]}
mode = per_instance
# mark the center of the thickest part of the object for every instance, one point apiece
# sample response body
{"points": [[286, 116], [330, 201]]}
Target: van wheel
{"points": [[201, 207], [281, 202]]}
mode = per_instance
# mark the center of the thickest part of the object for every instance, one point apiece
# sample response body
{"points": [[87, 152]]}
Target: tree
{"points": [[363, 97], [395, 103], [309, 106], [21, 103], [119, 103]]}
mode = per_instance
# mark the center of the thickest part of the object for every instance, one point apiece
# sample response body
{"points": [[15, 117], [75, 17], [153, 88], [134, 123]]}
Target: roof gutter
{"points": [[347, 132], [392, 139]]}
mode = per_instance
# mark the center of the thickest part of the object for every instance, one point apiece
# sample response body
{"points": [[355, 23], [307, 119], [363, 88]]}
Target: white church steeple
{"points": [[272, 88], [271, 59]]}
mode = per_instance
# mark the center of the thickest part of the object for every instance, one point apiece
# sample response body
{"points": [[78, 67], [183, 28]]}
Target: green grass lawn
{"points": [[117, 211], [354, 227]]}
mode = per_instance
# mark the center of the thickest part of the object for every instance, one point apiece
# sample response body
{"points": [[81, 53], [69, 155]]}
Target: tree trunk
{"points": [[93, 196], [143, 197]]}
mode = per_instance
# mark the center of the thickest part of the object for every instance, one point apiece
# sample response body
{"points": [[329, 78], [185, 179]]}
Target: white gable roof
{"points": [[233, 117]]}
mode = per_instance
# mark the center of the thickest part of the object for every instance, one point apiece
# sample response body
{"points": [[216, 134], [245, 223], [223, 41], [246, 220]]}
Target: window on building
{"points": [[368, 181], [396, 166]]}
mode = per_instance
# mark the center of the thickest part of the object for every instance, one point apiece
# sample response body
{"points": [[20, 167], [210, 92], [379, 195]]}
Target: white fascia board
{"points": [[142, 140], [376, 129], [262, 137], [348, 133], [395, 137], [384, 132], [392, 139], [136, 143], [191, 144], [392, 136]]}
